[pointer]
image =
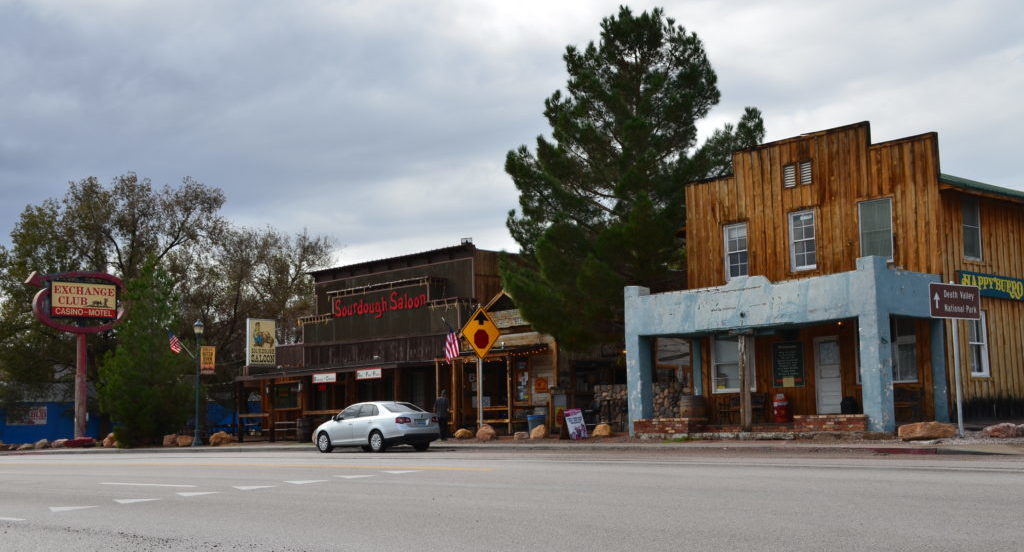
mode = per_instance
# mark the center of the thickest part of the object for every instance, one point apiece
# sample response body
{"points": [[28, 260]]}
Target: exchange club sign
{"points": [[83, 300]]}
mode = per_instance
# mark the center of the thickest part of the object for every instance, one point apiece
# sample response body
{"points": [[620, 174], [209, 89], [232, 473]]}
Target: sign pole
{"points": [[81, 393], [479, 392], [956, 377]]}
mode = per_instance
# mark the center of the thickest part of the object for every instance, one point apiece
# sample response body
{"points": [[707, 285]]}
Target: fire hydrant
{"points": [[780, 409]]}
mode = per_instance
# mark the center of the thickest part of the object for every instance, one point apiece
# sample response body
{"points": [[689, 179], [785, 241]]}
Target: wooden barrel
{"points": [[691, 406]]}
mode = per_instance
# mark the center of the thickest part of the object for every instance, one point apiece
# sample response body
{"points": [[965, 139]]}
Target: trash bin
{"points": [[535, 420]]}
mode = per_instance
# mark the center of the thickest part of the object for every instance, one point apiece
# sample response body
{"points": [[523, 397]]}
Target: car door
{"points": [[341, 429], [361, 425]]}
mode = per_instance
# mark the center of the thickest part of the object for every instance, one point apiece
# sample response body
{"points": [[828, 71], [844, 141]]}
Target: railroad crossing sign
{"points": [[954, 301], [481, 332]]}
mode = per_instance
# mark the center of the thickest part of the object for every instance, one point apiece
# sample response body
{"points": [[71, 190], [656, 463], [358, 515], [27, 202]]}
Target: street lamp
{"points": [[198, 328]]}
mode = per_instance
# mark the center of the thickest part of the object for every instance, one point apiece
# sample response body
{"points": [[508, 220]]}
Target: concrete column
{"points": [[940, 381], [697, 367], [876, 370], [639, 369]]}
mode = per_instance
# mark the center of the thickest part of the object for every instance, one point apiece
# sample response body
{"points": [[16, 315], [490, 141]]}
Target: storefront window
{"points": [[286, 395], [725, 372], [904, 366]]}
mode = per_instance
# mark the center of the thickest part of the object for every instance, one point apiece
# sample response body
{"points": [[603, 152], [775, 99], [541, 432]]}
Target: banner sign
{"points": [[259, 342], [788, 364], [574, 422], [325, 378], [369, 373], [208, 359], [83, 299], [1000, 287], [31, 416]]}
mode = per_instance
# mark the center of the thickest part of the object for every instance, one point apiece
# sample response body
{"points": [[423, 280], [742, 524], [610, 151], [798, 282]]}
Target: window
{"points": [[735, 250], [876, 228], [801, 241], [286, 395], [972, 229], [977, 339], [904, 350], [796, 173], [725, 370], [367, 410]]}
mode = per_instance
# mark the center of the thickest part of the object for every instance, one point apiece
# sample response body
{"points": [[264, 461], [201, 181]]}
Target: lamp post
{"points": [[198, 328]]}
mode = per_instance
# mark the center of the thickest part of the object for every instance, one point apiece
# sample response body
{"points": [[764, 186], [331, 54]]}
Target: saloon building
{"points": [[379, 334], [810, 267]]}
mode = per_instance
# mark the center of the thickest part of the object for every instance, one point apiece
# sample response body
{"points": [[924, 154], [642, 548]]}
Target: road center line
{"points": [[199, 493], [133, 500], [11, 519], [149, 485]]}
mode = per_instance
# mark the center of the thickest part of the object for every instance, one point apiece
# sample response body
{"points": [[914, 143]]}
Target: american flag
{"points": [[451, 346], [175, 343]]}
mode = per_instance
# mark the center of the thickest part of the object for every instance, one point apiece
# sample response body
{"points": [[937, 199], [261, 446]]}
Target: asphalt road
{"points": [[495, 501]]}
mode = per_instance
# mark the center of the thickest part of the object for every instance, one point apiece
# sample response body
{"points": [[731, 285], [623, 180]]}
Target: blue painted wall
{"points": [[60, 424]]}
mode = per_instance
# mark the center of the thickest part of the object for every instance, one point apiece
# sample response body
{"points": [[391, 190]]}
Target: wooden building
{"points": [[809, 207]]}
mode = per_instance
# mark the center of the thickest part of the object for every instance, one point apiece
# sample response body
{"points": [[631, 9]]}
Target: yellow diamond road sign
{"points": [[481, 332]]}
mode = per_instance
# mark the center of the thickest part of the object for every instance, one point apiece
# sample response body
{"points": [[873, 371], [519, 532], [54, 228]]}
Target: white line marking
{"points": [[68, 508], [306, 481], [352, 476], [133, 500], [198, 494], [252, 487], [150, 485], [11, 519], [400, 471]]}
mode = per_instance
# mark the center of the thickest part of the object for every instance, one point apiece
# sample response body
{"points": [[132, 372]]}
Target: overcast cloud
{"points": [[385, 123]]}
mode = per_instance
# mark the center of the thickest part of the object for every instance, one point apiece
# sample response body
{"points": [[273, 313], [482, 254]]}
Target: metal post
{"points": [[195, 436], [81, 394], [479, 392], [956, 377]]}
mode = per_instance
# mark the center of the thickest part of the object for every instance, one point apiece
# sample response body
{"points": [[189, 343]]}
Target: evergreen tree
{"points": [[600, 205], [144, 387]]}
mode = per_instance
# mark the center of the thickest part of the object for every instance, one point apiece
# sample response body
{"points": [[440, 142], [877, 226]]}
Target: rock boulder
{"points": [[184, 440], [520, 436], [171, 440], [42, 444], [486, 433], [924, 431], [109, 441], [602, 430], [1003, 431], [26, 446], [221, 438], [58, 443], [539, 432], [463, 433]]}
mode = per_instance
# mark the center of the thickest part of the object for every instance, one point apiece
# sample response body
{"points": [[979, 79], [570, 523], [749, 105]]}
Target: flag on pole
{"points": [[451, 346], [175, 343]]}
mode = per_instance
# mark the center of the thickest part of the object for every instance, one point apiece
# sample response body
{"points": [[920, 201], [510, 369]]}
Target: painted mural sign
{"points": [[208, 360], [31, 416], [259, 342], [991, 285], [788, 364]]}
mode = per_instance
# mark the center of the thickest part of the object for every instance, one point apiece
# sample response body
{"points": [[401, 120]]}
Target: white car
{"points": [[377, 425]]}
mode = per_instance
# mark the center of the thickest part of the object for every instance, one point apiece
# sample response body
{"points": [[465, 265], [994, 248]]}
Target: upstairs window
{"points": [[972, 229], [876, 228], [802, 247], [796, 173], [736, 251]]}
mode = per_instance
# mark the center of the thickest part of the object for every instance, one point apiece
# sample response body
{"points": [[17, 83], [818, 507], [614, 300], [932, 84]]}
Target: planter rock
{"points": [[924, 431]]}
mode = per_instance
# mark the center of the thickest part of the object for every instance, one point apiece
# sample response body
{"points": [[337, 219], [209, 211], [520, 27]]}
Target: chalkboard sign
{"points": [[788, 364]]}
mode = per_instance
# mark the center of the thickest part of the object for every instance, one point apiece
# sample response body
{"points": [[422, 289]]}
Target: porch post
{"points": [[940, 383], [876, 371]]}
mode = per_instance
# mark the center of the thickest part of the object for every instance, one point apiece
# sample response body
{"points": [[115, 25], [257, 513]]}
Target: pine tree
{"points": [[144, 387], [601, 203]]}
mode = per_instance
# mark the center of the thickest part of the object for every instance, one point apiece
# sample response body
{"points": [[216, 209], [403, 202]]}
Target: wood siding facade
{"points": [[846, 169]]}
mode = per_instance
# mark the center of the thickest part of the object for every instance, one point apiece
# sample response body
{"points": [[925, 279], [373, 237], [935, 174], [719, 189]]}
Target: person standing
{"points": [[441, 406]]}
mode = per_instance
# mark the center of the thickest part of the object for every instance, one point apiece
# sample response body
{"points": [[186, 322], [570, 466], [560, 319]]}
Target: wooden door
{"points": [[828, 375]]}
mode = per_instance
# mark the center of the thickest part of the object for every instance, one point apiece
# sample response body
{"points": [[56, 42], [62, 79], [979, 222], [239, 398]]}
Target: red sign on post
{"points": [[954, 301]]}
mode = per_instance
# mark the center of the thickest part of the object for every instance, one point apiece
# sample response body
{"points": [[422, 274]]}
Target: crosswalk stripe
{"points": [[198, 494], [133, 500], [253, 487], [397, 472], [68, 508], [352, 476]]}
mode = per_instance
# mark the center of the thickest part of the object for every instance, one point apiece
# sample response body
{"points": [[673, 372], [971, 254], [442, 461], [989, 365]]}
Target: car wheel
{"points": [[421, 446], [323, 442], [376, 441]]}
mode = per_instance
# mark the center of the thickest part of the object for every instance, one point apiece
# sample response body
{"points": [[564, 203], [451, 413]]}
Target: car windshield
{"points": [[401, 407]]}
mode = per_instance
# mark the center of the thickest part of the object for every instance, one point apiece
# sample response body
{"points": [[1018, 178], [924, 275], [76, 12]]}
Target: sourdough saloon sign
{"points": [[377, 305]]}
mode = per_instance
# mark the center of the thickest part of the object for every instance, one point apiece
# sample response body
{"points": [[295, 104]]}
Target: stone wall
{"points": [[614, 402], [830, 422]]}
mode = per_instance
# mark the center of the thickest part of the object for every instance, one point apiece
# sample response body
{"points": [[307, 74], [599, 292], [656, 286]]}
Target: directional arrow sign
{"points": [[481, 332], [954, 301]]}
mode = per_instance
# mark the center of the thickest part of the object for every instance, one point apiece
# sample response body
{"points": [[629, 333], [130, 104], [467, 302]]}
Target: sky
{"points": [[384, 124]]}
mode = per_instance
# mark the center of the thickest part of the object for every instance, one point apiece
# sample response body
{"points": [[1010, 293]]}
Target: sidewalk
{"points": [[994, 447]]}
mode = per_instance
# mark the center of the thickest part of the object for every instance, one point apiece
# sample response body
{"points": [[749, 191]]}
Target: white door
{"points": [[827, 375]]}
